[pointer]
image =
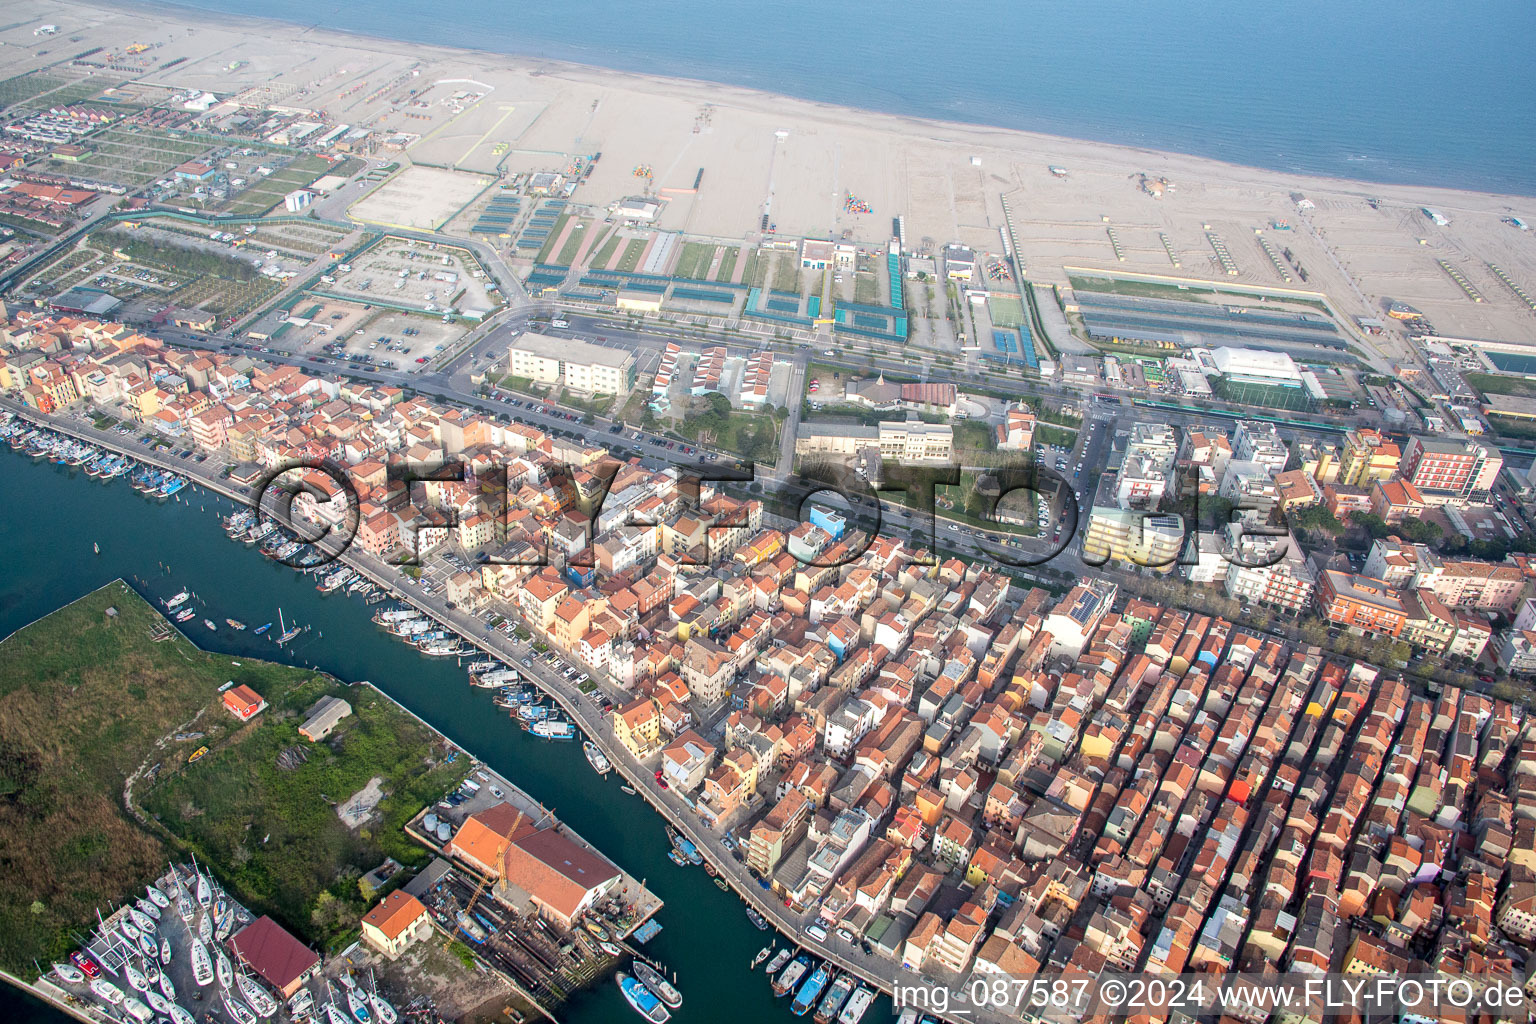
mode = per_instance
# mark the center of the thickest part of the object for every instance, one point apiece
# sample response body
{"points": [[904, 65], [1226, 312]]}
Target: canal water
{"points": [[53, 515]]}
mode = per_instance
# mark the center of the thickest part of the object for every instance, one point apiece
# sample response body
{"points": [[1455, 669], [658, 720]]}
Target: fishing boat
{"points": [[106, 991], [470, 927], [596, 758], [359, 1007], [234, 624], [687, 849], [758, 921], [610, 949], [485, 665], [598, 931], [176, 601], [785, 983], [493, 677], [652, 979], [642, 999], [779, 960], [225, 972], [256, 997], [676, 857], [553, 729], [833, 1001], [158, 898], [210, 624], [69, 973], [238, 1011], [262, 629], [810, 991]]}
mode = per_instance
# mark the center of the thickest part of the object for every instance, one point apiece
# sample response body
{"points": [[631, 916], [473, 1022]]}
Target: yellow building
{"points": [[1368, 456], [638, 726]]}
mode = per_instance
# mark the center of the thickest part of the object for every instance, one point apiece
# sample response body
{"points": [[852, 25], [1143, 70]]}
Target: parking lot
{"points": [[404, 273]]}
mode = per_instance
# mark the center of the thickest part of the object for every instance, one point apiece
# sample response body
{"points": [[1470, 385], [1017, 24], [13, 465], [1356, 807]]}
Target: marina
{"points": [[426, 687]]}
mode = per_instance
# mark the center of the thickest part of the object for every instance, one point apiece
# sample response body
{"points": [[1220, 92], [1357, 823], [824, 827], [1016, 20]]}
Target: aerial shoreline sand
{"points": [[816, 170], [946, 132]]}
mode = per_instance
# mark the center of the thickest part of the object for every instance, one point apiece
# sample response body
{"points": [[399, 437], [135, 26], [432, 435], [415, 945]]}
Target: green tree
{"points": [[1373, 525], [1317, 517]]}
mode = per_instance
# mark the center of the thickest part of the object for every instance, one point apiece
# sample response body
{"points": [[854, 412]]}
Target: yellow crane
{"points": [[501, 860]]}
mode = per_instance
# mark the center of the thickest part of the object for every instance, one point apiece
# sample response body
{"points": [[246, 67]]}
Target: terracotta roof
{"points": [[555, 870], [279, 958], [395, 913]]}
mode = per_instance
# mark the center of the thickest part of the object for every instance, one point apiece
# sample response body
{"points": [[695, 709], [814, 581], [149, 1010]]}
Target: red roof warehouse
{"points": [[278, 958]]}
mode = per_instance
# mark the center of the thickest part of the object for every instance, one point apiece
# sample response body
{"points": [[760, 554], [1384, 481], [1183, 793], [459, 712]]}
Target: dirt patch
{"points": [[360, 806]]}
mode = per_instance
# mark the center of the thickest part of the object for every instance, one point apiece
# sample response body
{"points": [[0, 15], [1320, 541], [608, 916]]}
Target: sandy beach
{"points": [[754, 153]]}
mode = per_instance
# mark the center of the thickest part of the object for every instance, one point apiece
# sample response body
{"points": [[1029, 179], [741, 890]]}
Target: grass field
{"points": [[1522, 430], [88, 700], [866, 289], [605, 253], [1498, 384], [786, 274], [694, 260], [548, 248], [1006, 311], [1153, 290], [632, 253], [84, 700], [728, 264], [573, 243]]}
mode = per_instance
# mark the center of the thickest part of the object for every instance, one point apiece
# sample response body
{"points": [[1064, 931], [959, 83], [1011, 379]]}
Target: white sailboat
{"points": [[202, 964], [180, 1016], [238, 1011], [141, 920], [381, 1007], [69, 973], [334, 1016], [359, 1007], [148, 909], [158, 898], [167, 988], [135, 977], [256, 997], [204, 890], [147, 947], [226, 973], [165, 952], [205, 928], [157, 1002]]}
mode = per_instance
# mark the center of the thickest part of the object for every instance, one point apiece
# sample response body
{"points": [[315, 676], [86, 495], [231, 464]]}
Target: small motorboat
{"points": [[762, 955], [210, 624], [235, 624], [262, 629], [610, 949], [106, 991]]}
